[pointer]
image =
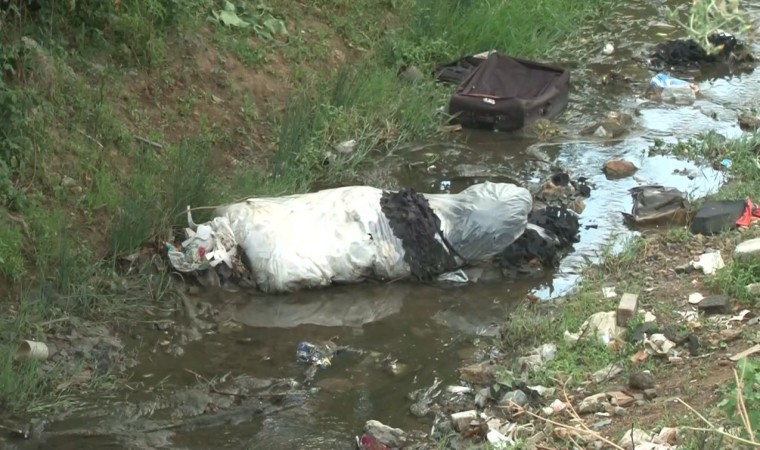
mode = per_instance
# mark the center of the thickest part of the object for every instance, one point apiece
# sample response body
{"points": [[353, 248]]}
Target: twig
{"points": [[197, 375], [90, 138], [574, 430], [713, 428], [149, 142], [740, 402]]}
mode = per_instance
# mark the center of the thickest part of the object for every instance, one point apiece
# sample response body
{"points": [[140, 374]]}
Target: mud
{"points": [[413, 334]]}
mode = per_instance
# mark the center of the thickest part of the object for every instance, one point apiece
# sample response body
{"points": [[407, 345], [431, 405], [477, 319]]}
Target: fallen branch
{"points": [[583, 432], [149, 142], [90, 138], [712, 428]]}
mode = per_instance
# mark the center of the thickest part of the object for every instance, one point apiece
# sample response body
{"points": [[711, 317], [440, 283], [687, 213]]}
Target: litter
{"points": [[673, 90], [32, 350], [656, 204], [355, 233], [602, 324], [722, 215], [709, 262], [507, 93], [319, 356]]}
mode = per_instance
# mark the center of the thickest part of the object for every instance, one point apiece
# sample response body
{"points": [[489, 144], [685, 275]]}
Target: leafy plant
{"points": [[743, 399], [261, 20]]}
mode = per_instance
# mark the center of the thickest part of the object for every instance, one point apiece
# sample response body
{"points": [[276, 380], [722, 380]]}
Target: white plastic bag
{"points": [[341, 235]]}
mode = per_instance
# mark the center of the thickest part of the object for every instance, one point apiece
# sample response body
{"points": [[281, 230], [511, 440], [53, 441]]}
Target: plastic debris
{"points": [[709, 262], [603, 324], [319, 356], [209, 245], [33, 350], [674, 90]]}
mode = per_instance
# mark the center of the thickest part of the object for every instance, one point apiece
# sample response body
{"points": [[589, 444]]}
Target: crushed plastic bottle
{"points": [[674, 90]]}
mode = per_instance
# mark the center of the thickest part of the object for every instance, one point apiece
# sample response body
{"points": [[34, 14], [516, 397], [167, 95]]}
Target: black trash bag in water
{"points": [[656, 204], [416, 225], [551, 232]]}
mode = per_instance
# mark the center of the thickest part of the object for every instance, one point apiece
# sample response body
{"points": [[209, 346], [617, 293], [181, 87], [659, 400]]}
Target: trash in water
{"points": [[655, 204], [726, 162], [207, 246], [319, 356], [673, 90]]}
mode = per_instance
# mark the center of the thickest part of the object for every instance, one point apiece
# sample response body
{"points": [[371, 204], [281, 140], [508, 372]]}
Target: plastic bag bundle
{"points": [[341, 235]]}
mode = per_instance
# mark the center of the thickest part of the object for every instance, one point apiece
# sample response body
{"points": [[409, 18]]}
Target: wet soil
{"points": [[405, 336]]}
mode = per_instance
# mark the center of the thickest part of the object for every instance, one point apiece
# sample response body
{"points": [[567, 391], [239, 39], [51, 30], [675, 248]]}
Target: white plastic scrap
{"points": [[709, 262], [211, 244], [658, 344], [603, 324]]}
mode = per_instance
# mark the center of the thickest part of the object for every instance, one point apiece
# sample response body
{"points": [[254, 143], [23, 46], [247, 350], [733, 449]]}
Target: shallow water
{"points": [[433, 330]]}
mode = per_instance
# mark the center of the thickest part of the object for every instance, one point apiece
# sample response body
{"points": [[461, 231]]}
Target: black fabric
{"points": [[416, 225], [562, 227], [678, 52], [687, 53]]}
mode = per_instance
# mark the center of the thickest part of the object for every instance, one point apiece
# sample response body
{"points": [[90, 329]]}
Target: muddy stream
{"points": [[250, 341]]}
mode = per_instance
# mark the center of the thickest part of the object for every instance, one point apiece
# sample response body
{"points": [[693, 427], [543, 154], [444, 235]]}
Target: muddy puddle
{"points": [[402, 336]]}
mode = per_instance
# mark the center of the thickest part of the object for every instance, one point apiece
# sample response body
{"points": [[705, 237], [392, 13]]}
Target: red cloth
{"points": [[750, 211]]}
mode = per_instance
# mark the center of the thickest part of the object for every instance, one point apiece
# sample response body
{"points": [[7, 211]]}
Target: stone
{"points": [[480, 373], [748, 248], [594, 403], [715, 304], [517, 397], [641, 380], [392, 437], [650, 394], [753, 289], [619, 168], [481, 398], [462, 420], [619, 411], [618, 398], [627, 308]]}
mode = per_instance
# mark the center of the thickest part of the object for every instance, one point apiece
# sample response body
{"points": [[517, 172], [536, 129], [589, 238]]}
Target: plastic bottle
{"points": [[673, 90]]}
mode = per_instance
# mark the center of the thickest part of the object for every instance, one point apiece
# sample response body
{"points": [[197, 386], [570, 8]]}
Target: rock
{"points": [[668, 436], [641, 380], [419, 409], [393, 437], [594, 403], [517, 397], [619, 168], [620, 399], [480, 373], [715, 304], [413, 74], [650, 394], [750, 247], [634, 439], [627, 308], [481, 398], [749, 122], [619, 411], [462, 420], [753, 289], [606, 373]]}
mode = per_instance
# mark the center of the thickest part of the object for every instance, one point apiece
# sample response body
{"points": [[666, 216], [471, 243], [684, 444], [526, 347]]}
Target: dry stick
{"points": [[713, 428], [149, 142], [90, 138], [740, 402], [572, 429]]}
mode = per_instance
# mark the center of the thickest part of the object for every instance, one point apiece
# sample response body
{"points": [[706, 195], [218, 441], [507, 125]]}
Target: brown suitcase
{"points": [[507, 93]]}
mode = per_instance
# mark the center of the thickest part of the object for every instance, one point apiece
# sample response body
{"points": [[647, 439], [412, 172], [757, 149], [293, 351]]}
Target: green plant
{"points": [[12, 250], [706, 17], [742, 401]]}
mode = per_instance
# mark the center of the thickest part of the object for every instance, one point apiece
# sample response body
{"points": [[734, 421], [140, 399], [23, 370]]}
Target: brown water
{"points": [[432, 330]]}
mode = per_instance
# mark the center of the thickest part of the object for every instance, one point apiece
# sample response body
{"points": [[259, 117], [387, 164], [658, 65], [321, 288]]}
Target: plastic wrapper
{"points": [[342, 236]]}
